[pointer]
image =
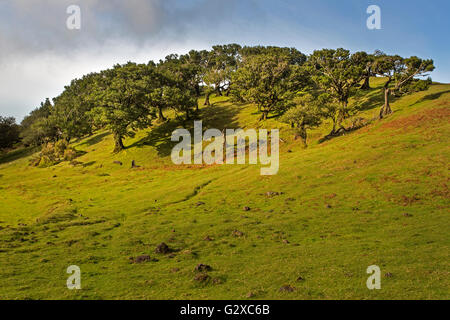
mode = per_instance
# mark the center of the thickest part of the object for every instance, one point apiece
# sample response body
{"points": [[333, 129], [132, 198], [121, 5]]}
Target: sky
{"points": [[39, 55]]}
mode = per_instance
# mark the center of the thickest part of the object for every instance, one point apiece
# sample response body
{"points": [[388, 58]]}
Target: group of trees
{"points": [[303, 90], [9, 132], [308, 89]]}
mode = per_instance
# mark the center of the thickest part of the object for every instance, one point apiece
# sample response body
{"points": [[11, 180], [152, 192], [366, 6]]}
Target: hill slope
{"points": [[378, 195]]}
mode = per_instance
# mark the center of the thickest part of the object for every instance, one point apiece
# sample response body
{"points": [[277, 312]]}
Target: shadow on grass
{"points": [[17, 154], [340, 133], [88, 164], [432, 96], [95, 139], [214, 116]]}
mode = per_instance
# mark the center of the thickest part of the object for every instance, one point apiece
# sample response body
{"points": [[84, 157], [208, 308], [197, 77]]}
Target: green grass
{"points": [[343, 208]]}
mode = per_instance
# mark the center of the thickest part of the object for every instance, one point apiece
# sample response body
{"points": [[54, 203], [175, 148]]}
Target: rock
{"points": [[285, 241], [388, 275], [142, 259], [247, 209], [299, 279], [328, 206], [134, 165], [208, 238], [250, 295], [201, 277], [118, 162], [407, 215], [203, 268], [200, 203], [287, 288], [162, 248], [272, 194], [237, 233]]}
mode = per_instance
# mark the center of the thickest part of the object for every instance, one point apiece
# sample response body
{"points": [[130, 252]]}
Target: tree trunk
{"points": [[207, 103], [219, 90], [197, 90], [264, 115], [340, 116], [303, 135], [161, 115], [366, 84], [187, 114], [386, 109], [118, 143], [333, 131]]}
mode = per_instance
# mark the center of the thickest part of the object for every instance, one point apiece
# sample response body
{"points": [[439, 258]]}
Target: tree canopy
{"points": [[282, 82], [9, 132], [119, 98]]}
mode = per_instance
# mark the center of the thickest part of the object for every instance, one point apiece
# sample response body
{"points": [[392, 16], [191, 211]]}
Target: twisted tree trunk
{"points": [[366, 84], [386, 108], [161, 115], [207, 103], [264, 115]]}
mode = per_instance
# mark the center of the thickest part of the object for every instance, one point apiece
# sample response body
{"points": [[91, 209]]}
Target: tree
{"points": [[181, 100], [270, 81], [307, 114], [176, 89], [329, 107], [193, 69], [120, 98], [38, 127], [71, 109], [219, 66], [294, 56], [337, 72], [9, 132], [402, 72], [366, 61]]}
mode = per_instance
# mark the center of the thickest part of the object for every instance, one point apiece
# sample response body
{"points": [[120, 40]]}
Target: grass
{"points": [[378, 195]]}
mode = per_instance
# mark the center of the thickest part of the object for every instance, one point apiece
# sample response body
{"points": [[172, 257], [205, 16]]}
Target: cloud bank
{"points": [[39, 54]]}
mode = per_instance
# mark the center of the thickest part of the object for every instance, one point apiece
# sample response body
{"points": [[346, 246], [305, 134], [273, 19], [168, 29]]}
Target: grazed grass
{"points": [[378, 195]]}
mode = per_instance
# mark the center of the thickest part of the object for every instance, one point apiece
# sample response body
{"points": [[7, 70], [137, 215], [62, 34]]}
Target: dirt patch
{"points": [[202, 268], [408, 200], [427, 118], [287, 288], [201, 277], [162, 248], [237, 234], [142, 259]]}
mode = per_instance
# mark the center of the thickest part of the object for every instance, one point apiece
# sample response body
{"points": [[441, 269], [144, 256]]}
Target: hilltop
{"points": [[377, 195]]}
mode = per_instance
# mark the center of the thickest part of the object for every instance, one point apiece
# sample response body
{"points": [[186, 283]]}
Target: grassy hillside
{"points": [[378, 195]]}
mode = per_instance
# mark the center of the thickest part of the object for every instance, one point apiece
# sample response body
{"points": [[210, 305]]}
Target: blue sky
{"points": [[38, 55]]}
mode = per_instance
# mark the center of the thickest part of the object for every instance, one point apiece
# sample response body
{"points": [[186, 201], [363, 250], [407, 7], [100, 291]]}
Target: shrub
{"points": [[61, 147], [69, 155], [54, 153], [46, 161]]}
